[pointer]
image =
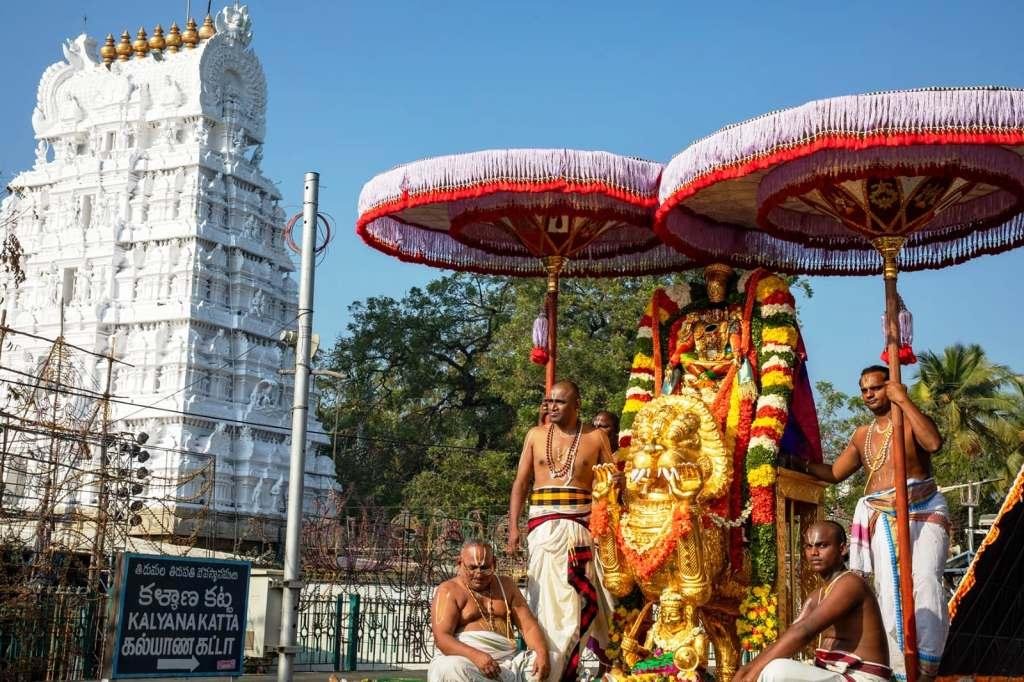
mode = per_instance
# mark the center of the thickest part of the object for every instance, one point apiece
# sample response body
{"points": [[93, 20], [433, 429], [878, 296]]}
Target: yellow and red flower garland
{"points": [[777, 340], [622, 618], [758, 623], [777, 346]]}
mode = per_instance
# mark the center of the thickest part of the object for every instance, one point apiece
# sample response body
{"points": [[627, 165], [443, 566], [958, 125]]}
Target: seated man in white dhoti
{"points": [[843, 616], [473, 616]]}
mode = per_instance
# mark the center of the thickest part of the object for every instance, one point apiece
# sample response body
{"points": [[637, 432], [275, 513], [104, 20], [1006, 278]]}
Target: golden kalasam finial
{"points": [[157, 42], [124, 48], [108, 52], [174, 38], [141, 44], [207, 30], [191, 36]]}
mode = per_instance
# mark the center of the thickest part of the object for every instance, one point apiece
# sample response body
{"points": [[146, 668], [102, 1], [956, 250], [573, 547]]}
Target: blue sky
{"points": [[355, 88]]}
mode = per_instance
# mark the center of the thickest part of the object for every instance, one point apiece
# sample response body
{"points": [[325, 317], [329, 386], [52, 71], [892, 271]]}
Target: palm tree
{"points": [[978, 407]]}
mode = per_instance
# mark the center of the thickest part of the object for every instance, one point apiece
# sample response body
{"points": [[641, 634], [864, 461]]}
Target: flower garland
{"points": [[661, 668], [665, 305], [776, 327], [758, 623], [623, 617], [737, 435], [647, 561]]}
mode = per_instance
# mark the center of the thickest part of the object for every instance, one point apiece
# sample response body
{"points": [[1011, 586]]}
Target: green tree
{"points": [[978, 408], [597, 324], [412, 381], [461, 480], [439, 390]]}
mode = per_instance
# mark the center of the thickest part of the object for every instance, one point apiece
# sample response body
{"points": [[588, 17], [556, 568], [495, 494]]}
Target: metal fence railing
{"points": [[347, 632], [50, 633]]}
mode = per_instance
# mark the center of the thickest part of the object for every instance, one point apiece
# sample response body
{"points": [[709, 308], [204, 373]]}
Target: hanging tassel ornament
{"points": [[906, 324], [539, 354]]}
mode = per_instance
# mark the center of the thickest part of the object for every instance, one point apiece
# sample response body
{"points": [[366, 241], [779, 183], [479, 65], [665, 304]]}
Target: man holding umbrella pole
{"points": [[873, 535]]}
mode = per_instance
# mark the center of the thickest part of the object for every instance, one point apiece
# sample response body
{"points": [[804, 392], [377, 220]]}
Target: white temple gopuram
{"points": [[150, 233]]}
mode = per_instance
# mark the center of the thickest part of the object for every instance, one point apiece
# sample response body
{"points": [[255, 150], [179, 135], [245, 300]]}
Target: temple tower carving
{"points": [[147, 220]]}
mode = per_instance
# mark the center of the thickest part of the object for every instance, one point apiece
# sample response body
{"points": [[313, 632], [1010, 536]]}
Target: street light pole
{"points": [[296, 472]]}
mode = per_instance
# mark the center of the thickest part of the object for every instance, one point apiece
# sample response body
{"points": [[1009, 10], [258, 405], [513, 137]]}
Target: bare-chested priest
{"points": [[843, 615], [873, 532], [473, 616], [563, 589]]}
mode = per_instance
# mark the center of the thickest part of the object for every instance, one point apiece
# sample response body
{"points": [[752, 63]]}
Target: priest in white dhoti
{"points": [[474, 618], [563, 581]]}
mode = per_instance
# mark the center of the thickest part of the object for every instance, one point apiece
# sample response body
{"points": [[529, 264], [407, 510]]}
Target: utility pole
{"points": [[3, 448], [972, 495], [99, 550], [296, 472]]}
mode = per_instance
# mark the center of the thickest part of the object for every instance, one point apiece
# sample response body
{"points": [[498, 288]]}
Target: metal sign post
{"points": [[296, 472]]}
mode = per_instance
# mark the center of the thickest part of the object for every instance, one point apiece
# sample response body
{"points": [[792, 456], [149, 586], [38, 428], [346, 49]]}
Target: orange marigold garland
{"points": [[599, 519], [647, 562]]}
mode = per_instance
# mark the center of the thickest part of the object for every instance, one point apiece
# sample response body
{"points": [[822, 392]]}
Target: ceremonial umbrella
{"points": [[857, 185], [521, 212]]}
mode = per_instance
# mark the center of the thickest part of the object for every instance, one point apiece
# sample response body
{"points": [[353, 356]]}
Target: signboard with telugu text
{"points": [[179, 616]]}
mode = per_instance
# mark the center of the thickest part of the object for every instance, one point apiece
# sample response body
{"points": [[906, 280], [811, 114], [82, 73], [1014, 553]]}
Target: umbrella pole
{"points": [[553, 265], [889, 248]]}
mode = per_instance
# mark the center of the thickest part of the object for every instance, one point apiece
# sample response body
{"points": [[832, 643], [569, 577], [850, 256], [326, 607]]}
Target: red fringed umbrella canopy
{"points": [[521, 212], [857, 185]]}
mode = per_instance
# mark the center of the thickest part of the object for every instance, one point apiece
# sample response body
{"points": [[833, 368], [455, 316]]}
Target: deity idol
{"points": [[733, 347], [705, 341], [655, 539]]}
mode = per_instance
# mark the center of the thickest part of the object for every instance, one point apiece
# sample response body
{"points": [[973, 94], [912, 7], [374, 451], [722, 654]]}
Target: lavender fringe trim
{"points": [[889, 112], [439, 249], [852, 255], [631, 175]]}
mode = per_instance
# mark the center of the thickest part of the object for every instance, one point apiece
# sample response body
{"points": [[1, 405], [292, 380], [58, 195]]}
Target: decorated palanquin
{"points": [[717, 395]]}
